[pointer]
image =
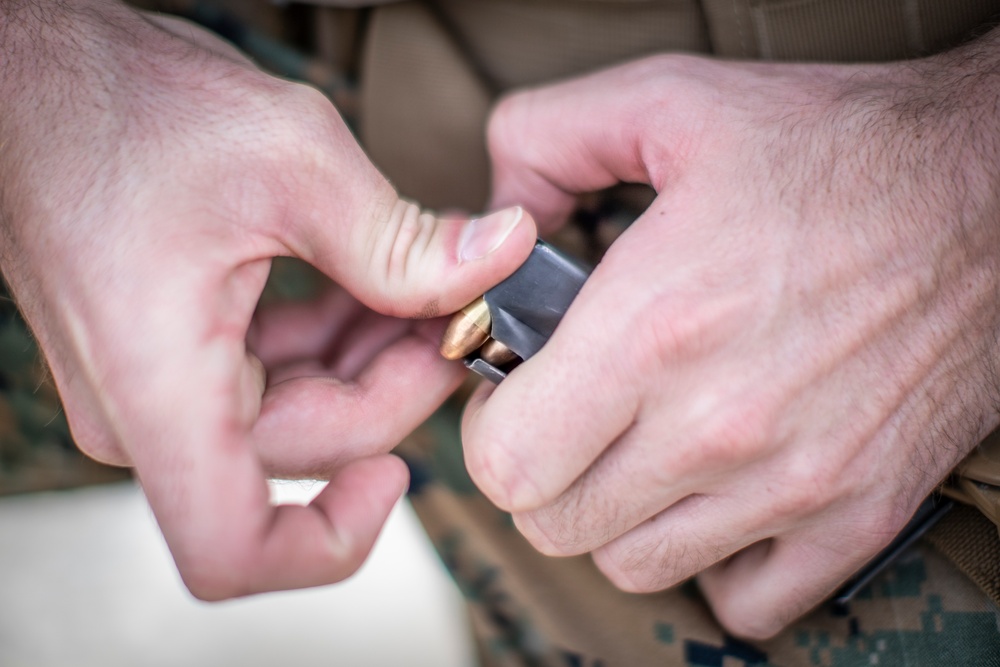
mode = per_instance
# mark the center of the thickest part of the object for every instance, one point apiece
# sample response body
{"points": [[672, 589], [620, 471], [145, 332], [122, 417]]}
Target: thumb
{"points": [[347, 221], [412, 263], [549, 144]]}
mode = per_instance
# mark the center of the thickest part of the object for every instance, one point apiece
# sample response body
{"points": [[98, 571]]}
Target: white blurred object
{"points": [[86, 580]]}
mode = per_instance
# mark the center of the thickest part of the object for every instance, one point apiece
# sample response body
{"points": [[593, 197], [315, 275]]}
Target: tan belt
{"points": [[977, 479], [970, 535]]}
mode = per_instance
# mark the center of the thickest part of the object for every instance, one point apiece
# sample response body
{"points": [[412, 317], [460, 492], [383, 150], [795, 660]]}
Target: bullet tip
{"points": [[467, 330]]}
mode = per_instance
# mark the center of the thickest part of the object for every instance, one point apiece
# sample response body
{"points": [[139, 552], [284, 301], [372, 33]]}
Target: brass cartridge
{"points": [[468, 329], [496, 353]]}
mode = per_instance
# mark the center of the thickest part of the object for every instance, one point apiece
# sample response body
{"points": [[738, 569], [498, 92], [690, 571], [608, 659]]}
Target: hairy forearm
{"points": [[952, 110], [930, 141], [55, 84], [76, 80], [55, 57], [971, 73], [936, 114], [49, 36], [935, 146]]}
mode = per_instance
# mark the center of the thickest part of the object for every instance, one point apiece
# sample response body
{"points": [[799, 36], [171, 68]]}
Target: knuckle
{"points": [[500, 125], [617, 572], [552, 533], [670, 329], [880, 529], [300, 123], [509, 127], [501, 476], [207, 587], [411, 230], [795, 498], [309, 97], [637, 568], [397, 259], [740, 432], [214, 574], [808, 487], [888, 525], [727, 436], [747, 623], [545, 536], [310, 103]]}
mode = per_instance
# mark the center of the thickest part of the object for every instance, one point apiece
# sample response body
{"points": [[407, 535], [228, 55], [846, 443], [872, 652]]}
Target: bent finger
{"points": [[762, 589], [345, 519], [549, 144], [556, 413], [679, 542], [309, 426], [288, 332]]}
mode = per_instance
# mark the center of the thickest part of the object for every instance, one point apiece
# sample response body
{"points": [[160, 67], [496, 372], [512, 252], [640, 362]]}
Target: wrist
{"points": [[54, 81], [908, 152], [946, 114]]}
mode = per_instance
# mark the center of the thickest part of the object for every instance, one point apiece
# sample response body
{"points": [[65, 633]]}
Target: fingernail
{"points": [[482, 236]]}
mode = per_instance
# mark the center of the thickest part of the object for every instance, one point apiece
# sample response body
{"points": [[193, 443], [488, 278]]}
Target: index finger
{"points": [[530, 438]]}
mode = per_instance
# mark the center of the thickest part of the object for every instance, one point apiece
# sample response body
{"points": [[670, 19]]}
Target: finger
{"points": [[309, 426], [289, 332], [252, 384], [553, 416], [190, 425], [348, 514], [633, 480], [709, 515], [343, 360], [762, 589], [332, 336], [345, 357], [674, 449], [411, 263], [207, 488], [691, 535], [551, 143], [357, 346]]}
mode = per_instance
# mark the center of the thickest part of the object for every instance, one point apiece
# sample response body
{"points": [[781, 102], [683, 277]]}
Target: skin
{"points": [[804, 321], [148, 174]]}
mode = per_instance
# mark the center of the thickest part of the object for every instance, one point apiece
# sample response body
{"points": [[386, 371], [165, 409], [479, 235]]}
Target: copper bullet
{"points": [[496, 353], [468, 329]]}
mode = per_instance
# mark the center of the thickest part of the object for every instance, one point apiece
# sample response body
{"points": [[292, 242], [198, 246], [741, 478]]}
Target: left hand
{"points": [[149, 174], [784, 355]]}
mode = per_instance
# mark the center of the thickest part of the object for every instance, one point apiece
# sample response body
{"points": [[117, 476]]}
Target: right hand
{"points": [[150, 173], [787, 351]]}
